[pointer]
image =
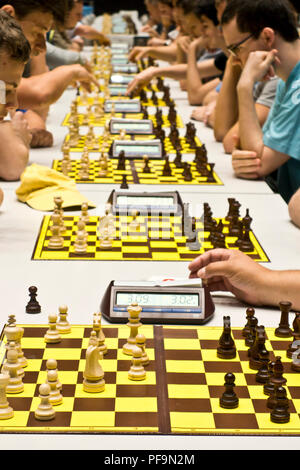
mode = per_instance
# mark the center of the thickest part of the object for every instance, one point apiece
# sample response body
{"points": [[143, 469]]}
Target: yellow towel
{"points": [[40, 184]]}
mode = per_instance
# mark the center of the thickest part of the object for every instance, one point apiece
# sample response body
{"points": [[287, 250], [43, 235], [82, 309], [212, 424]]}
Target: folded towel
{"points": [[40, 184]]}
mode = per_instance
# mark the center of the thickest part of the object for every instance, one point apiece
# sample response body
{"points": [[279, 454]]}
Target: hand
{"points": [[1, 196], [183, 42], [104, 40], [84, 77], [245, 163], [138, 53], [203, 113], [20, 127], [198, 44], [231, 271], [141, 79], [41, 138], [260, 65]]}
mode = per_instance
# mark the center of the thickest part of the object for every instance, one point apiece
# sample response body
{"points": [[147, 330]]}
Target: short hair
{"points": [[12, 39], [200, 8], [295, 4], [58, 8], [252, 16]]}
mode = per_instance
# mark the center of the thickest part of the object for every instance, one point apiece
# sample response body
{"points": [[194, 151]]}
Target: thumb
{"points": [[236, 142]]}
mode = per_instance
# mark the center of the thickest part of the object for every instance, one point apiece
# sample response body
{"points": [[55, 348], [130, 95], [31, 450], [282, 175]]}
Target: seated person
{"points": [[154, 19], [167, 24], [234, 271], [195, 16], [264, 36], [66, 36], [37, 92], [14, 135]]}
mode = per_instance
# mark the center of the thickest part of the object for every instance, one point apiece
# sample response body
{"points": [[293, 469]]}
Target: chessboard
{"points": [[95, 143], [100, 121], [134, 171], [180, 394], [90, 101], [139, 238]]}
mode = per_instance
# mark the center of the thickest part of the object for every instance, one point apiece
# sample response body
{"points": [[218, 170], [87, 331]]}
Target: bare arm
{"points": [[294, 208], [14, 151], [88, 32], [234, 271], [229, 141], [43, 90], [226, 112]]}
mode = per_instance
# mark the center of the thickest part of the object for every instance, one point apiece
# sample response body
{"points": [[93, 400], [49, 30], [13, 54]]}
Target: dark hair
{"points": [[58, 8], [200, 8], [252, 16], [12, 39], [295, 4]]}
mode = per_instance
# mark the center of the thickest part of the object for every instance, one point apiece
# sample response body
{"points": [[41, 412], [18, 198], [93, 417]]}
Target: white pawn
{"points": [[51, 364], [45, 411], [56, 397], [80, 244], [6, 411], [140, 342], [15, 384], [137, 371], [63, 326], [52, 335]]}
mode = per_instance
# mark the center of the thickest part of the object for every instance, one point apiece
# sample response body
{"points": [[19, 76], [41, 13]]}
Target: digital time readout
{"points": [[157, 299]]}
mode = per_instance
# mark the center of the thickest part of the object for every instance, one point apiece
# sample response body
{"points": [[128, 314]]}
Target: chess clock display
{"points": [[137, 149], [125, 68], [146, 202], [119, 48], [168, 303], [123, 106], [119, 59], [131, 126], [120, 78], [117, 90]]}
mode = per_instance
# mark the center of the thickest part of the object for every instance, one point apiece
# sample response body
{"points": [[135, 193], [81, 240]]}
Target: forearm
{"points": [[279, 286], [177, 72], [194, 82], [251, 135], [166, 53], [14, 153], [43, 90], [226, 112]]}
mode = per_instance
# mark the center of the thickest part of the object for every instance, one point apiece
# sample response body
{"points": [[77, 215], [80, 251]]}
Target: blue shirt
{"points": [[282, 132]]}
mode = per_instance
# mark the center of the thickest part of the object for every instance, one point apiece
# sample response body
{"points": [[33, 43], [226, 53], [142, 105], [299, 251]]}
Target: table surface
{"points": [[80, 285]]}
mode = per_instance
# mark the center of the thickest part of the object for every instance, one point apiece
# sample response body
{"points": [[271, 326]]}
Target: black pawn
{"points": [[33, 306], [262, 375], [250, 312], [124, 184], [280, 413], [229, 398]]}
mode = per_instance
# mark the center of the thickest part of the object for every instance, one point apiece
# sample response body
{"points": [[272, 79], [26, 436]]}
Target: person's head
{"points": [[74, 13], [165, 8], [220, 7], [200, 19], [153, 10], [257, 25], [36, 18], [178, 12], [14, 53]]}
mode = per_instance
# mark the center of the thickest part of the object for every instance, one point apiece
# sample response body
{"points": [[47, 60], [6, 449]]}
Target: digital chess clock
{"points": [[117, 90], [170, 301], [153, 148], [122, 106], [146, 202], [125, 68], [119, 48], [131, 126], [120, 79]]}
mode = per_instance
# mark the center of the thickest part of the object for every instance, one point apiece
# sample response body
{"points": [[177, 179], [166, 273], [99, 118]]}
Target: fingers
{"points": [[208, 257], [132, 86], [245, 162]]}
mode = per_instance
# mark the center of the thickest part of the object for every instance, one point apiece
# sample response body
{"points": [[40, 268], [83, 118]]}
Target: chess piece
{"points": [[280, 413], [80, 244], [262, 375], [226, 348], [99, 333], [134, 311], [45, 411], [124, 184], [283, 330], [51, 365], [6, 411], [250, 312], [277, 380], [296, 334], [93, 375], [84, 213], [52, 335], [229, 398], [56, 241], [15, 383], [269, 386], [146, 168], [55, 397], [33, 305], [63, 326], [256, 348], [296, 357], [141, 343], [137, 371]]}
